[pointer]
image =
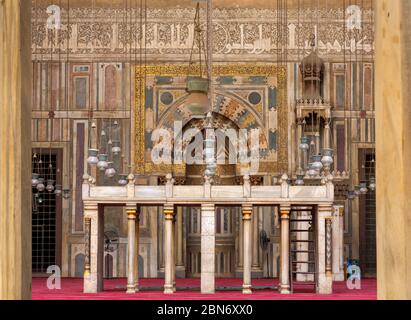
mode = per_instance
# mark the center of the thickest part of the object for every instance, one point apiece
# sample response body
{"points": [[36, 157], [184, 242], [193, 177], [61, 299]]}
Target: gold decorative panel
{"points": [[240, 70]]}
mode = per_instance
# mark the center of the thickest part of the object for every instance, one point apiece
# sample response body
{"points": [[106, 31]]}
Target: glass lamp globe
{"points": [[92, 159], [372, 185], [197, 101], [123, 180], [300, 180], [312, 172], [351, 195], [102, 164], [316, 162], [50, 185], [40, 185], [305, 143], [116, 149], [363, 188], [110, 171], [327, 158], [34, 180], [58, 190]]}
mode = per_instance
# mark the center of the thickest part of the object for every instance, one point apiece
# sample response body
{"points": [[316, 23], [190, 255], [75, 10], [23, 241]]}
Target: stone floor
{"points": [[188, 289]]}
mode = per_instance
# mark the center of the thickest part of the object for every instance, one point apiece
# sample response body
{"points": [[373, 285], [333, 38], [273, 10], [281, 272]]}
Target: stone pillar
{"points": [[393, 118], [285, 250], [168, 248], [207, 248], [15, 143], [131, 249], [338, 243], [324, 271], [247, 212], [93, 278]]}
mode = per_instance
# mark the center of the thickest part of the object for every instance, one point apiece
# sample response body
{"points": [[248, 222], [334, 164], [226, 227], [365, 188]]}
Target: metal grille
{"points": [[370, 219], [44, 218]]}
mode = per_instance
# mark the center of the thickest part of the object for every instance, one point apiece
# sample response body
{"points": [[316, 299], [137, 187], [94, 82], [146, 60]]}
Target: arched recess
{"points": [[226, 106], [225, 103]]}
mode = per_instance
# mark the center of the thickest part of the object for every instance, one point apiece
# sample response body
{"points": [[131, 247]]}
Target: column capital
{"points": [[131, 212], [90, 210], [169, 211], [326, 207], [210, 206], [285, 211], [90, 206], [247, 211], [341, 211]]}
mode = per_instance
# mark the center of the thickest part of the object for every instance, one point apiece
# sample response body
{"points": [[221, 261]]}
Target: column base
{"points": [[207, 283], [168, 289], [285, 289], [325, 284], [130, 289], [247, 289], [92, 284]]}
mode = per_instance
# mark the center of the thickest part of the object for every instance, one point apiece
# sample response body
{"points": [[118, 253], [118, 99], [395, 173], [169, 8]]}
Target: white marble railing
{"points": [[207, 193]]}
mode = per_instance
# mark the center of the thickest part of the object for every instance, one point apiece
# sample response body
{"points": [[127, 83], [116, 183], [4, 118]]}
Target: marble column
{"points": [[207, 248], [247, 211], [338, 243], [324, 272], [168, 249], [87, 239], [131, 249], [285, 250], [15, 143], [93, 278], [393, 130]]}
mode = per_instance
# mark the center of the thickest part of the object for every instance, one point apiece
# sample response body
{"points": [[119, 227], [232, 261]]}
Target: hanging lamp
{"points": [[197, 102]]}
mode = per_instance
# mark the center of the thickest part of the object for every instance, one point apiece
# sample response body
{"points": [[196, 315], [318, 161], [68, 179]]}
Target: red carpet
{"points": [[71, 289]]}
